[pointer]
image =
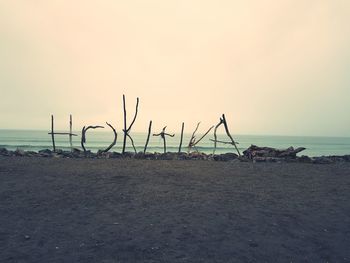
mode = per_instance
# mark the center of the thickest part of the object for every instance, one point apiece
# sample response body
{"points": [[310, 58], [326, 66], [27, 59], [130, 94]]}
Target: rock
{"points": [[45, 153], [305, 159], [256, 151], [31, 154], [167, 156], [225, 157], [3, 151], [197, 156], [19, 152], [139, 155], [149, 156], [116, 155], [128, 154], [322, 160]]}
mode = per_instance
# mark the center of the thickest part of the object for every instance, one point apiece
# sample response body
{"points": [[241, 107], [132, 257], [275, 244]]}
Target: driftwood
{"points": [[83, 135], [193, 141], [257, 152], [148, 135], [70, 131], [114, 140], [162, 134], [127, 130], [53, 133], [181, 136], [215, 140]]}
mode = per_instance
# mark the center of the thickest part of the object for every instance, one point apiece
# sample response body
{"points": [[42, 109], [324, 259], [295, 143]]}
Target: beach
{"points": [[129, 210]]}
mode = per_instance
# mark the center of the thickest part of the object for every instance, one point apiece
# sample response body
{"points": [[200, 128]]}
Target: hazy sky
{"points": [[274, 67]]}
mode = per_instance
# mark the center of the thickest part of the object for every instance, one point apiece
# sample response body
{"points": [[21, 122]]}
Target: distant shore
{"points": [[128, 210]]}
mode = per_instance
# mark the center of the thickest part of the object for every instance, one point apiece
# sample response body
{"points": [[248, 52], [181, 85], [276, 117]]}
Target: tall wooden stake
{"points": [[182, 134], [70, 132], [53, 134], [149, 134]]}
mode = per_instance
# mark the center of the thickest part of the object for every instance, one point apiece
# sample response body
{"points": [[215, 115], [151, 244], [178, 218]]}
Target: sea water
{"points": [[33, 140]]}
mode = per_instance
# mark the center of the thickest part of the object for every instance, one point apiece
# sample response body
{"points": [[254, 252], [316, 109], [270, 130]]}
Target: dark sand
{"points": [[75, 210]]}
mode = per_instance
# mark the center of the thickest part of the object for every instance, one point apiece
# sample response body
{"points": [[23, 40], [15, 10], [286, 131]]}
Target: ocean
{"points": [[35, 140]]}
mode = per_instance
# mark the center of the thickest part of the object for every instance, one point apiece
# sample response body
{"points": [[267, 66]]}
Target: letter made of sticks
{"points": [[193, 141], [148, 135], [127, 130], [232, 142], [163, 134], [70, 133], [83, 135], [181, 136]]}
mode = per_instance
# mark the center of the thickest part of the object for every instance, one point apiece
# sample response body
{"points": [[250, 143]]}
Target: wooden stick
{"points": [[215, 136], [149, 134], [70, 132], [83, 139], [132, 142], [229, 134], [193, 138], [83, 136], [136, 111], [222, 142], [162, 134], [204, 135], [53, 134], [125, 132], [115, 138], [182, 134], [63, 133], [193, 142]]}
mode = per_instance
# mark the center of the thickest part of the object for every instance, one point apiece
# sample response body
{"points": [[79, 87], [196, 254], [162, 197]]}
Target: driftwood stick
{"points": [[83, 135], [229, 134], [162, 134], [223, 142], [136, 111], [149, 134], [132, 142], [63, 133], [215, 136], [70, 132], [53, 134], [205, 134], [193, 138], [193, 141], [182, 134], [83, 139], [127, 130], [115, 138]]}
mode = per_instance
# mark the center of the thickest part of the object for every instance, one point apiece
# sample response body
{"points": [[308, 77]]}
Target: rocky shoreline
{"points": [[252, 154]]}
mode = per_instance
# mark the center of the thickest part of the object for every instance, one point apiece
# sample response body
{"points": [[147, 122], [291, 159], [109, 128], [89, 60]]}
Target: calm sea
{"points": [[38, 140]]}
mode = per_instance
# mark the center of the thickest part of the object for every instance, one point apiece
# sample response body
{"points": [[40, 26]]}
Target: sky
{"points": [[273, 67]]}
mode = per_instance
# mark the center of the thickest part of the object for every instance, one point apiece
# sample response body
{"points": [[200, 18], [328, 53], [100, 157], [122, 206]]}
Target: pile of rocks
{"points": [[252, 154], [268, 154]]}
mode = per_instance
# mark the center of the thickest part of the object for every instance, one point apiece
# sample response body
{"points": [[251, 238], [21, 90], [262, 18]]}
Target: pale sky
{"points": [[273, 67]]}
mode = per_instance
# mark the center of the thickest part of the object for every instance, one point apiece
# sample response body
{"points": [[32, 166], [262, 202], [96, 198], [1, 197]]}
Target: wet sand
{"points": [[98, 210]]}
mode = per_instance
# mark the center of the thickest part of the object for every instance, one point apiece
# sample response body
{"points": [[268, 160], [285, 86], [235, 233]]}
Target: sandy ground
{"points": [[75, 210]]}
